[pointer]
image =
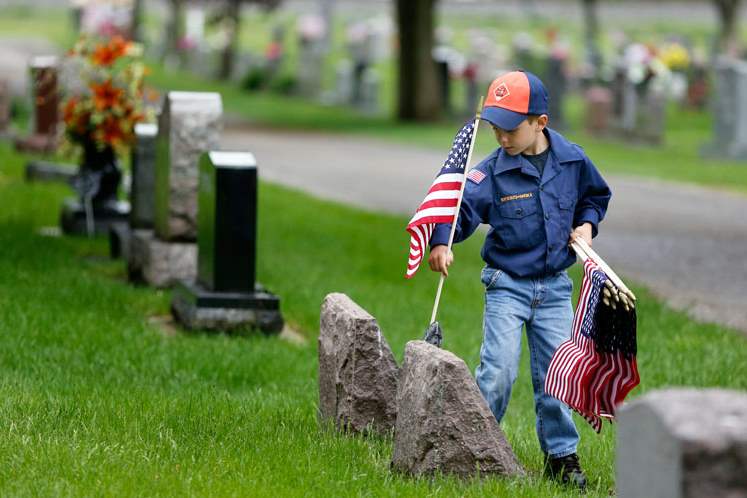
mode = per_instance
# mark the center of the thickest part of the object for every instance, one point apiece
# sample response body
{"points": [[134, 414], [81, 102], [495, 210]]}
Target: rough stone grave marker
{"points": [[357, 371], [444, 424], [225, 295]]}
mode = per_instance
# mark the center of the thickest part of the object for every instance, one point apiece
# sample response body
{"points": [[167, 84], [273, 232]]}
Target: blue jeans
{"points": [[544, 306]]}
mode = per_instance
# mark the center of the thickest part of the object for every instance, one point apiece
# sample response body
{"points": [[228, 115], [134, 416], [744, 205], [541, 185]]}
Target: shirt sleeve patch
{"points": [[476, 176]]}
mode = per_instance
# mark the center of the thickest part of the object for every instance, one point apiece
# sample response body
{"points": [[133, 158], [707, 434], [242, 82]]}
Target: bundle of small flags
{"points": [[596, 368]]}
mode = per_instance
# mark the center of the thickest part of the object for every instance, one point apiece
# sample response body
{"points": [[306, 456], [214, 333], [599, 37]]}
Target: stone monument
{"points": [[357, 371], [142, 191], [45, 102], [729, 103], [5, 106], [444, 424], [189, 124], [682, 443], [225, 295]]}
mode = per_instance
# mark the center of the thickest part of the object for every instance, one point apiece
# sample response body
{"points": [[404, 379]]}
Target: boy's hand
{"points": [[583, 231], [440, 259]]}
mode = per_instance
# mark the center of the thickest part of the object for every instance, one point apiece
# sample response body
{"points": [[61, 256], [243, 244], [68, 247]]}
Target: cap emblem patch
{"points": [[501, 92]]}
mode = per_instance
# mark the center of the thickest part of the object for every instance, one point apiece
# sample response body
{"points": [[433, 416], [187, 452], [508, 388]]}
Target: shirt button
{"points": [[547, 216], [519, 211]]}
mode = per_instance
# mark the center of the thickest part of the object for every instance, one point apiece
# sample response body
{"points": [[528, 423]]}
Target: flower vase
{"points": [[99, 175]]}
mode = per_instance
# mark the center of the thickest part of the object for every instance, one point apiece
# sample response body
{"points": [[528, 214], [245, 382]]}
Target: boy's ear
{"points": [[542, 120]]}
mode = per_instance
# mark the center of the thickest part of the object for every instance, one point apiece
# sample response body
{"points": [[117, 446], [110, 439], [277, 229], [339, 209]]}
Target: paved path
{"points": [[686, 243]]}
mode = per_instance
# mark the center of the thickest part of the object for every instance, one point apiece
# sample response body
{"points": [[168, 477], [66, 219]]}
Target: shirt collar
{"points": [[561, 148]]}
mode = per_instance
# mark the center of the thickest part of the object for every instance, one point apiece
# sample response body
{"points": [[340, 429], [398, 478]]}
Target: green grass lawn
{"points": [[97, 399]]}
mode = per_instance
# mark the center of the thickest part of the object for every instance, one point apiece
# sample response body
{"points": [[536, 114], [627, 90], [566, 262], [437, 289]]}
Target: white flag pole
{"points": [[584, 251], [458, 206]]}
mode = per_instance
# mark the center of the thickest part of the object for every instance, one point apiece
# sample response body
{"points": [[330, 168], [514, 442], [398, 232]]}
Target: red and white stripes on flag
{"points": [[439, 205], [595, 369]]}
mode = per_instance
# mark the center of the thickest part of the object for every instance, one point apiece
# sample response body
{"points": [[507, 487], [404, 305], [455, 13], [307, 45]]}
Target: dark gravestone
{"points": [[441, 61], [557, 86], [142, 191], [5, 101], [45, 103], [143, 159], [225, 295], [45, 171]]}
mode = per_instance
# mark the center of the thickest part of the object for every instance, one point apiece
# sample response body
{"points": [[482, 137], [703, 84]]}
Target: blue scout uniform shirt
{"points": [[530, 218]]}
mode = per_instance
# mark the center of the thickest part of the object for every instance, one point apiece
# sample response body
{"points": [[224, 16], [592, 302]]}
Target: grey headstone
{"points": [[370, 84], [190, 124], [443, 422], [310, 63], [143, 160], [650, 117], [344, 82], [683, 443], [160, 264], [357, 371], [728, 106]]}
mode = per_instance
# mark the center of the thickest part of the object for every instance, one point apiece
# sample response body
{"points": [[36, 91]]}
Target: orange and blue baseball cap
{"points": [[512, 97]]}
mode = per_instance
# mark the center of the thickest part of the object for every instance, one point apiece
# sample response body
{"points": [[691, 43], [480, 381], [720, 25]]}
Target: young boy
{"points": [[534, 191]]}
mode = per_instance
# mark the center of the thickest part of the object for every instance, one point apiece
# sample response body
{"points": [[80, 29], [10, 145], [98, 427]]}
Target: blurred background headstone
{"points": [[45, 103]]}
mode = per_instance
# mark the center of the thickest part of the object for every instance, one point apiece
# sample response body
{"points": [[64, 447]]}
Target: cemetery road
{"points": [[686, 243]]}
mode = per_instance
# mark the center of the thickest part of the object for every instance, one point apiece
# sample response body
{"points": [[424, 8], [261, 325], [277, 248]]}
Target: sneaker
{"points": [[566, 470]]}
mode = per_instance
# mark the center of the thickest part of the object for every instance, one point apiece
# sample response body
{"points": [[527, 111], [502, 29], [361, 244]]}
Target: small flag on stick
{"points": [[440, 204]]}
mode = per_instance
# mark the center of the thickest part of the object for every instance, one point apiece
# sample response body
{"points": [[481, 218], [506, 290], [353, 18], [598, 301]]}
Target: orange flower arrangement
{"points": [[110, 102]]}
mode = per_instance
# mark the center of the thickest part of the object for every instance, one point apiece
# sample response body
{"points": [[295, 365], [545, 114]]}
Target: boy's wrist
{"points": [[440, 235]]}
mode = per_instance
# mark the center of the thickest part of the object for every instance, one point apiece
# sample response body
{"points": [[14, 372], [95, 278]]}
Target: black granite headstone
{"points": [[227, 222], [226, 294], [143, 158]]}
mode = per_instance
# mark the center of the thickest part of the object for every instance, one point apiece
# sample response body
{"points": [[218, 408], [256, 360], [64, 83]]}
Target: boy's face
{"points": [[523, 138]]}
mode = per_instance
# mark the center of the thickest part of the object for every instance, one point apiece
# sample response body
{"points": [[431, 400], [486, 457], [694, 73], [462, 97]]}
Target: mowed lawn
{"points": [[97, 398]]}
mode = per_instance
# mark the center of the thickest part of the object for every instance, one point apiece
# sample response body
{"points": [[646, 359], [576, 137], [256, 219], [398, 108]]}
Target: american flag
{"points": [[596, 368], [439, 205]]}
